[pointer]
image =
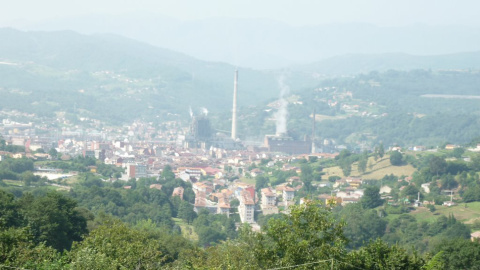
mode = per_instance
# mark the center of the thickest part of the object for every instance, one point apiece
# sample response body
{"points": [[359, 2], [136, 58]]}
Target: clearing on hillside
{"points": [[378, 170]]}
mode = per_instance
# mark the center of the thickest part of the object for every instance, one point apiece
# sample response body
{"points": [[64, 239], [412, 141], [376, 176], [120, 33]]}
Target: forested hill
{"points": [[407, 108], [415, 107], [114, 77], [353, 64]]}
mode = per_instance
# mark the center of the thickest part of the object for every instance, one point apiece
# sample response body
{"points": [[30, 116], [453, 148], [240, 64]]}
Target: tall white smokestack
{"points": [[234, 111]]}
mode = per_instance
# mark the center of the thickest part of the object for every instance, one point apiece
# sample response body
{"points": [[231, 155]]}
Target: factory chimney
{"points": [[234, 111]]}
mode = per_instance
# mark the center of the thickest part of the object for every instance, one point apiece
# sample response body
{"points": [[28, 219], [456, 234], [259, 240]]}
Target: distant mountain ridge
{"points": [[116, 78], [363, 63], [269, 44], [165, 81]]}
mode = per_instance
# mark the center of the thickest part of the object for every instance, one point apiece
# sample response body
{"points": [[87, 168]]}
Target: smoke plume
{"points": [[282, 113], [204, 111]]}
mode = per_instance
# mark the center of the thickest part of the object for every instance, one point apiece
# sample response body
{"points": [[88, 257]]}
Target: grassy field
{"points": [[321, 117], [15, 183], [71, 180], [378, 169], [187, 230], [466, 213], [247, 180]]}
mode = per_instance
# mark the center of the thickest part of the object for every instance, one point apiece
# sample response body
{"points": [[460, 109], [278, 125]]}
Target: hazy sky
{"points": [[295, 12]]}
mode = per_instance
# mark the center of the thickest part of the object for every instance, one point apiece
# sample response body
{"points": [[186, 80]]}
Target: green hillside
{"points": [[417, 107], [115, 78]]}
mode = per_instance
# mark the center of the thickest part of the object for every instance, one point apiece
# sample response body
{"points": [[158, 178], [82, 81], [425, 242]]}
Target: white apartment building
{"points": [[246, 209], [268, 197], [288, 194]]}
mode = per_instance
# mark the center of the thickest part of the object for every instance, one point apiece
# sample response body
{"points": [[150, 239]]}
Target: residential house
{"points": [[156, 186], [450, 146], [178, 191], [269, 198], [385, 190], [288, 194], [223, 206], [475, 236], [426, 187], [205, 187], [200, 201], [419, 148], [329, 199], [449, 203], [255, 172]]}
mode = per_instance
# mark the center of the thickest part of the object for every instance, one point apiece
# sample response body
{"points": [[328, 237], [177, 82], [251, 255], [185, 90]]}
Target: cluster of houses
{"points": [[143, 151]]}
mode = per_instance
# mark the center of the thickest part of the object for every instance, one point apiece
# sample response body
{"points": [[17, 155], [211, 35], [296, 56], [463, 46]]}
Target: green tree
{"points": [[307, 176], [475, 162], [334, 178], [472, 194], [448, 182], [458, 254], [261, 182], [308, 234], [9, 215], [378, 255], [19, 251], [186, 212], [346, 166], [381, 150], [116, 246], [362, 225], [167, 173], [371, 197], [437, 165], [344, 154], [54, 219], [362, 164], [53, 153], [458, 152], [28, 177], [396, 158], [410, 192]]}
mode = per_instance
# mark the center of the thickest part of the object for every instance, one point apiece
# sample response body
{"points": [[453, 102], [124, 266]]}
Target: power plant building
{"points": [[200, 128], [287, 145], [202, 135]]}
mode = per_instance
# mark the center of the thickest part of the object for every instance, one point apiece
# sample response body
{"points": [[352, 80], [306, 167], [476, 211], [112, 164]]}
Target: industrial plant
{"points": [[202, 136]]}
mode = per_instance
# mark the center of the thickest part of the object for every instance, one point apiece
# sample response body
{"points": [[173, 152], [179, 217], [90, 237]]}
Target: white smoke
{"points": [[191, 112], [204, 111], [282, 113]]}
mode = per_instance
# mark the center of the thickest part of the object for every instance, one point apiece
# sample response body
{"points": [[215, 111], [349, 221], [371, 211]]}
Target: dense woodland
{"points": [[38, 232]]}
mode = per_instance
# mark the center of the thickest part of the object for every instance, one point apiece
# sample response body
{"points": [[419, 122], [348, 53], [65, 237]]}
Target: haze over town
{"points": [[239, 135], [266, 34]]}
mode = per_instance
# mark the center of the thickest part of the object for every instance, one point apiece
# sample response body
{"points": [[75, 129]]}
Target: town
{"points": [[226, 176]]}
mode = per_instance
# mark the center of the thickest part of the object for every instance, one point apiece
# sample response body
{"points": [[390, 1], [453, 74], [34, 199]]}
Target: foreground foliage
{"points": [[309, 237]]}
